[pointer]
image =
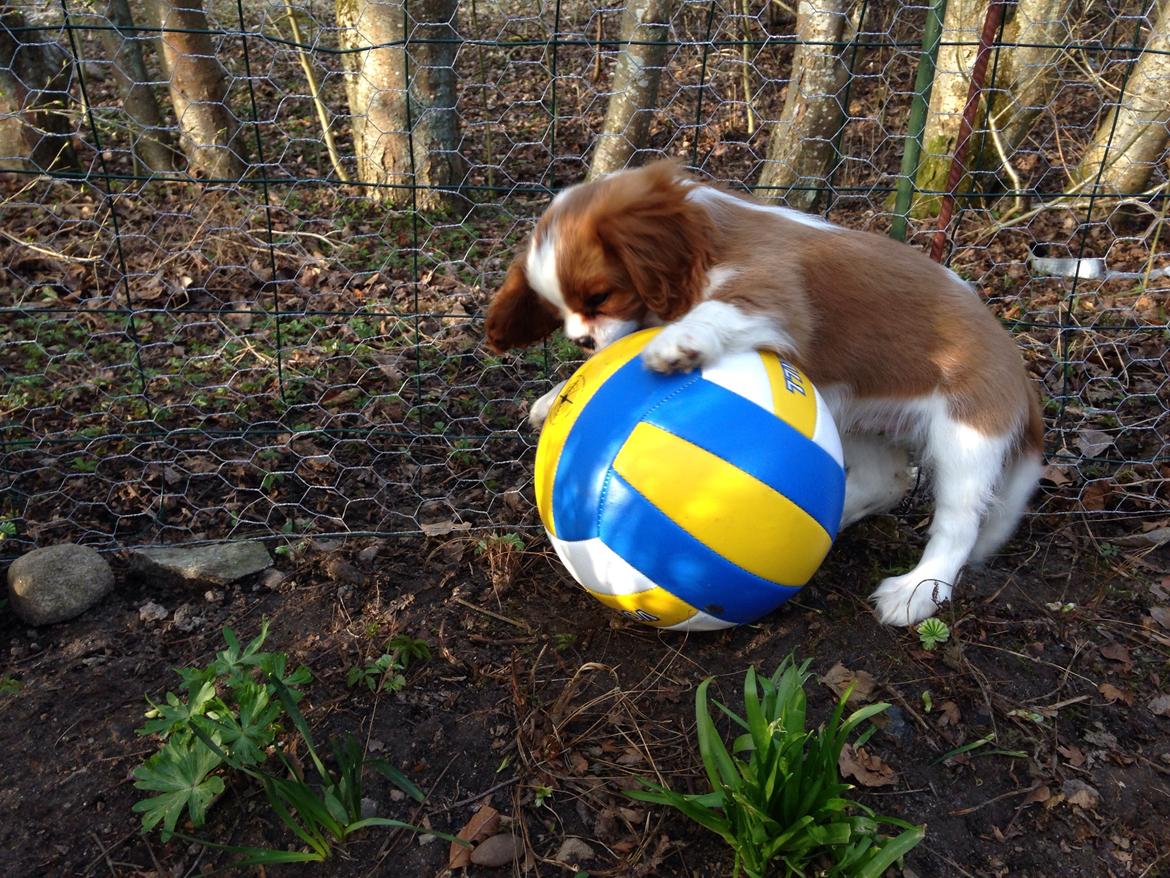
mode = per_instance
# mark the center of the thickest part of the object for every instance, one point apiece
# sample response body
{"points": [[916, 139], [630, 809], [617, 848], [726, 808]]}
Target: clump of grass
{"points": [[502, 553], [777, 797], [237, 718]]}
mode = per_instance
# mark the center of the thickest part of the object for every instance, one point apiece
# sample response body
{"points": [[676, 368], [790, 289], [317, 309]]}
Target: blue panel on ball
{"points": [[670, 557], [597, 437], [776, 454]]}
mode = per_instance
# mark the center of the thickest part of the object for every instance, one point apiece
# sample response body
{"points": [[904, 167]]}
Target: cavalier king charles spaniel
{"points": [[908, 358]]}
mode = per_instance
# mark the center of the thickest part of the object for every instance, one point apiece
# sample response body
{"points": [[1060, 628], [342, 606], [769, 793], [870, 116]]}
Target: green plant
{"points": [[386, 672], [238, 716], [9, 685], [7, 528], [777, 795], [932, 632]]}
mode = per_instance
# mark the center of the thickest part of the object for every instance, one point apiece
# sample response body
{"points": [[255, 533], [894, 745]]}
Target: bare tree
{"points": [[1131, 139], [800, 147], [152, 141], [401, 87], [198, 85], [634, 91], [35, 75]]}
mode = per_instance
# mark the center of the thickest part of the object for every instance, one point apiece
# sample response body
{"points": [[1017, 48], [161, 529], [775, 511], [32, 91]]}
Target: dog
{"points": [[911, 363]]}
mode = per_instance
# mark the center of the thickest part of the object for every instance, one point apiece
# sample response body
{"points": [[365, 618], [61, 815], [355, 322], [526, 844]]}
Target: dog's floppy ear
{"points": [[662, 239], [517, 316]]}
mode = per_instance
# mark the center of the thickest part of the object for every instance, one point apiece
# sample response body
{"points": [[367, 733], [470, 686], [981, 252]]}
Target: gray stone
{"points": [[56, 583], [216, 564], [497, 851], [574, 851]]}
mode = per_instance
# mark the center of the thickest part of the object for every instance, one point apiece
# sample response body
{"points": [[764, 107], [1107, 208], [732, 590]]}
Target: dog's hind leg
{"points": [[1008, 505], [966, 465]]}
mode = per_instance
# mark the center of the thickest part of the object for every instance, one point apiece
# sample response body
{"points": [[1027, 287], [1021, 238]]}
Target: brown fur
{"points": [[864, 311]]}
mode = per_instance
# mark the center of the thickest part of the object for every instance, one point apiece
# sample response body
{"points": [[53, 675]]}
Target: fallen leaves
{"points": [[1160, 706], [866, 768], [483, 823], [1112, 694], [839, 678], [1078, 793]]}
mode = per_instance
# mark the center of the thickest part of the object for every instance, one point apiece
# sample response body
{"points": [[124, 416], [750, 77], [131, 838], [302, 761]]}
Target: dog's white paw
{"points": [[910, 598], [679, 348], [540, 409]]}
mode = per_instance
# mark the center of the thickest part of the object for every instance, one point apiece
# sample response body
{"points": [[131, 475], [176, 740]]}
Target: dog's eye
{"points": [[596, 300]]}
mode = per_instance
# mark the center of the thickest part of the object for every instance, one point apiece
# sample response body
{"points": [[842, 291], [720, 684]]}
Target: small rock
{"points": [[56, 583], [152, 612], [272, 578], [397, 796], [574, 851], [369, 807], [216, 564], [340, 570], [185, 619], [497, 851]]}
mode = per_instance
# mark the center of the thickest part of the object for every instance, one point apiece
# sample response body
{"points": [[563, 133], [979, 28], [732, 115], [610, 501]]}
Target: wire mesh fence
{"points": [[245, 248]]}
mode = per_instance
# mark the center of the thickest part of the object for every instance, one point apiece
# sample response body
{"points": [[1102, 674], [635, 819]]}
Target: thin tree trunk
{"points": [[387, 119], [962, 24], [634, 92], [152, 141], [198, 86], [1131, 139], [1027, 71], [35, 75], [800, 147]]}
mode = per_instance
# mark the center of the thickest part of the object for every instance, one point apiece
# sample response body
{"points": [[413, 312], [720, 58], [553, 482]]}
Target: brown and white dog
{"points": [[904, 352]]}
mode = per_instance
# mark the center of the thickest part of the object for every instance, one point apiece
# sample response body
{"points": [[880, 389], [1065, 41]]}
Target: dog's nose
{"points": [[587, 342]]}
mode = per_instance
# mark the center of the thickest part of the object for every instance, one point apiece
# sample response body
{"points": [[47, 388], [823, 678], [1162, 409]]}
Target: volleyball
{"points": [[694, 501]]}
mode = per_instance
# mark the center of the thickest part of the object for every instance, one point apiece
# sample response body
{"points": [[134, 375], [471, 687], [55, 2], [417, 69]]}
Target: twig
{"points": [[495, 616], [45, 251], [315, 93], [469, 799], [962, 812]]}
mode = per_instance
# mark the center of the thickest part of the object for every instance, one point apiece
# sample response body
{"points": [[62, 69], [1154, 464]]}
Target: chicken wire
{"points": [[276, 354]]}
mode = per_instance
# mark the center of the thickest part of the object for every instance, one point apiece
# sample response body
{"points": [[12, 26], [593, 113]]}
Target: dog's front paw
{"points": [[540, 409], [908, 599], [680, 349]]}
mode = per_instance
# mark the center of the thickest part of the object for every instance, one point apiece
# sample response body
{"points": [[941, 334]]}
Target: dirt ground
{"points": [[542, 703]]}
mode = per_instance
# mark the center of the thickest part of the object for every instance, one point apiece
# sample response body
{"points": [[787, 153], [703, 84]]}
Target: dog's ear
{"points": [[662, 239], [517, 316]]}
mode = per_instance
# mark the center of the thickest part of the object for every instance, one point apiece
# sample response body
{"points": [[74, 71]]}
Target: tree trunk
{"points": [[800, 147], [387, 119], [634, 92], [1131, 140], [152, 141], [207, 127], [962, 23], [1027, 73], [35, 74]]}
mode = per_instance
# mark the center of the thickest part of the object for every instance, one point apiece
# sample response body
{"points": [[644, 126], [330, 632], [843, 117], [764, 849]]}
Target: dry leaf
{"points": [[1077, 792], [1038, 795], [1112, 694], [1093, 442], [866, 768], [1055, 475], [1075, 755], [1161, 705], [950, 714], [839, 678], [1161, 615], [483, 823], [1117, 653], [442, 528]]}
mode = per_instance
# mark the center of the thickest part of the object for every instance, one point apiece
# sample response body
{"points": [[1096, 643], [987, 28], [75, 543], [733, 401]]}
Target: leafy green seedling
{"points": [[932, 632], [386, 672]]}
